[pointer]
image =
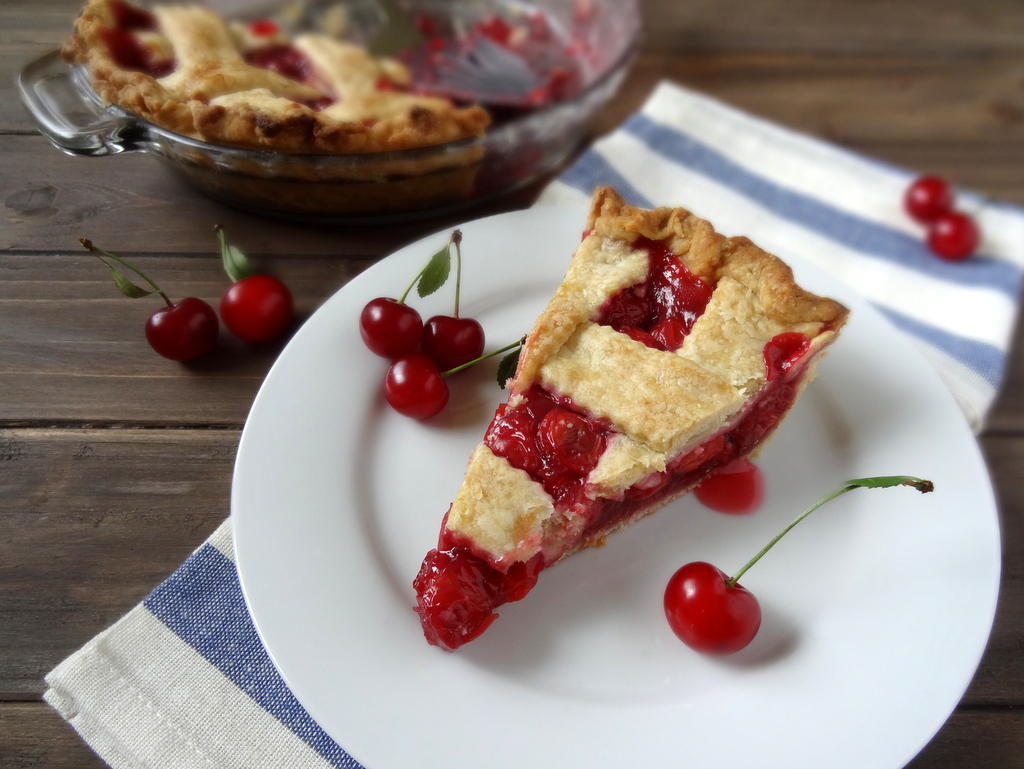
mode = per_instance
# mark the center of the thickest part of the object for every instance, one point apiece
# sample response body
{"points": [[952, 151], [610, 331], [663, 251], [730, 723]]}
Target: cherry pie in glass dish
{"points": [[667, 353], [285, 112]]}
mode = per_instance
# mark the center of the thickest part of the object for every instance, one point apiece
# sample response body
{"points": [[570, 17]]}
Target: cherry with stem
{"points": [[179, 331], [712, 613], [391, 328], [415, 387], [450, 340], [256, 308]]}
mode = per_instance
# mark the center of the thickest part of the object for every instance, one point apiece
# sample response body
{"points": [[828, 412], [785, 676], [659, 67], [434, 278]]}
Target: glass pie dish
{"points": [[520, 146]]}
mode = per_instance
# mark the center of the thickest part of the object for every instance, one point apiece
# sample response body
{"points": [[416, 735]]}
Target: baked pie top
{"points": [[667, 352], [187, 69]]}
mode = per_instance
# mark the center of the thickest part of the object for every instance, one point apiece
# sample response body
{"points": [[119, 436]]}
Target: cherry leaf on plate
{"points": [[436, 272], [507, 367], [887, 481]]}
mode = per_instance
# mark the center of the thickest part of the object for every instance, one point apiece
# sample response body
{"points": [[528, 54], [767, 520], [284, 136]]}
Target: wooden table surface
{"points": [[115, 463]]}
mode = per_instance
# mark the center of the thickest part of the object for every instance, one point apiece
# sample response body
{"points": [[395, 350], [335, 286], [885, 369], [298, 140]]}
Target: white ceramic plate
{"points": [[876, 609]]}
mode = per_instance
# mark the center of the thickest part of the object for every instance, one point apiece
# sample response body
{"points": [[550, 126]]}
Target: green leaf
{"points": [[886, 481], [124, 285], [436, 272], [235, 263], [507, 367]]}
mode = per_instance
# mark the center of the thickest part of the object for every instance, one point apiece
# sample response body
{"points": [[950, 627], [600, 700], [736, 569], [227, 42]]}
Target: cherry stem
{"points": [[506, 348], [878, 482], [457, 240], [99, 253]]}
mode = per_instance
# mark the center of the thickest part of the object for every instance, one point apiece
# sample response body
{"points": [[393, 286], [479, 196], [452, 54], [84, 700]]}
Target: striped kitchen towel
{"points": [[183, 681]]}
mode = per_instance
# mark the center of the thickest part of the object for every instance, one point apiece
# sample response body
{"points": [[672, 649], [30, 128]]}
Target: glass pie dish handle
{"points": [[71, 115]]}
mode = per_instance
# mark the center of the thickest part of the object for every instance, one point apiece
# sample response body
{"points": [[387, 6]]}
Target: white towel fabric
{"points": [[183, 681]]}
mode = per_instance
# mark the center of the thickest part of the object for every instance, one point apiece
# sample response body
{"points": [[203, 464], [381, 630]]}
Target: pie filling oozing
{"points": [[134, 45], [558, 444]]}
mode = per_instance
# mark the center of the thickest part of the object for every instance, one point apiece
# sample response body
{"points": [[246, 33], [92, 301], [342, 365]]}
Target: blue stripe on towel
{"points": [[985, 359], [867, 237], [591, 170], [202, 603]]}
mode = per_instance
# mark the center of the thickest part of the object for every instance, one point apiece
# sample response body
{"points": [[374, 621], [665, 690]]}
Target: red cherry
{"points": [[184, 331], [511, 435], [390, 328], [129, 17], [450, 342], [669, 333], [927, 198], [953, 236], [571, 438], [737, 488], [707, 614], [263, 27], [258, 308], [414, 387]]}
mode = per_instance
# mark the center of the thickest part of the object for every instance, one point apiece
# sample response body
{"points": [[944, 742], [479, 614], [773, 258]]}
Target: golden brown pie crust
{"points": [[195, 100], [662, 404]]}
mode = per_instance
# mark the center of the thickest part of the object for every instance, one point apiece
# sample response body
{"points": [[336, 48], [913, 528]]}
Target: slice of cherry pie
{"points": [[668, 352], [187, 69]]}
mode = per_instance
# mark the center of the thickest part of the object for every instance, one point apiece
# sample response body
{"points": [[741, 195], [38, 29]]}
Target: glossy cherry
{"points": [[570, 438], [707, 614], [953, 236], [390, 328], [737, 488], [258, 308], [452, 341], [927, 198], [179, 331], [183, 331], [414, 387]]}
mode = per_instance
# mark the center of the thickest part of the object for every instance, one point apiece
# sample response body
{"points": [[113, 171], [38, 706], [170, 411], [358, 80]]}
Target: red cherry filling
{"points": [[550, 439], [130, 53], [661, 310], [285, 60], [571, 439], [558, 444], [783, 352], [263, 27], [129, 17], [289, 61], [456, 593]]}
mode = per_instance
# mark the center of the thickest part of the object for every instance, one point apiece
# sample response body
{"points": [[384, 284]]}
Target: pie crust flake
{"points": [[188, 70], [668, 352]]}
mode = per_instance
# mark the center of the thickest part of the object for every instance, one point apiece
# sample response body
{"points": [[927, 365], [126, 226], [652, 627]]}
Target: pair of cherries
{"points": [[255, 308], [422, 354], [951, 235]]}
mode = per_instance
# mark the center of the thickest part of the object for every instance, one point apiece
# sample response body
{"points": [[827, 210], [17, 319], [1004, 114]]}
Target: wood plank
{"points": [[851, 99], [1000, 676], [93, 520], [978, 739], [1007, 414], [74, 349], [939, 27], [33, 735]]}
